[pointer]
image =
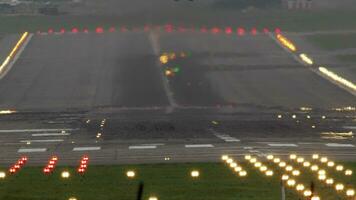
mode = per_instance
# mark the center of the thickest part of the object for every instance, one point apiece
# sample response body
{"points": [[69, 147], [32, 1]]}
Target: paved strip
{"points": [[86, 148], [32, 150], [282, 145], [143, 147], [35, 130], [49, 134], [349, 127], [225, 137], [41, 141], [199, 146], [339, 145]]}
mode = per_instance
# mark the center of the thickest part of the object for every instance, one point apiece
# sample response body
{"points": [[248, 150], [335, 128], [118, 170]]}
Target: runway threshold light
{"points": [[194, 174]]}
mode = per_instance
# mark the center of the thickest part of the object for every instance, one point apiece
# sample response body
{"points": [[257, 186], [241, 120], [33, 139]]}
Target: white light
{"points": [[348, 172], [324, 159], [224, 157], [307, 193], [300, 187], [321, 177], [242, 173], [289, 168], [233, 165], [300, 160], [331, 164], [238, 169], [248, 157], [315, 156], [350, 192], [306, 59], [329, 181], [282, 164], [253, 160], [195, 174], [339, 168], [65, 174], [153, 198], [263, 168], [2, 175], [337, 78], [270, 157], [339, 187], [306, 164], [291, 182], [258, 164], [285, 177], [293, 156], [276, 160], [130, 174], [321, 172], [314, 167], [315, 198], [229, 160], [296, 172], [269, 173]]}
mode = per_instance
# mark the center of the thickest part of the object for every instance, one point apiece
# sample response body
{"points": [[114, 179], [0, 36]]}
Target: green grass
{"points": [[271, 18], [167, 181], [333, 41]]}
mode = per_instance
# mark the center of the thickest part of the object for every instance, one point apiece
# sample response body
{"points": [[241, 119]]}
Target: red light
{"points": [[203, 30], [146, 28], [46, 170], [228, 30], [52, 162], [83, 166], [168, 28], [50, 166], [112, 29], [123, 29], [85, 158], [24, 158], [54, 158], [50, 31], [21, 162], [62, 30], [254, 31], [181, 29], [99, 30], [240, 31], [277, 31], [12, 170], [83, 162], [75, 30], [215, 30], [86, 30], [81, 170]]}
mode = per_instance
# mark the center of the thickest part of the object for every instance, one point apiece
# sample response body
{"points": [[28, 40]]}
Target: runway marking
{"points": [[248, 148], [199, 146], [225, 137], [282, 145], [349, 127], [86, 148], [36, 130], [143, 147], [41, 141], [32, 150], [49, 134], [339, 145]]}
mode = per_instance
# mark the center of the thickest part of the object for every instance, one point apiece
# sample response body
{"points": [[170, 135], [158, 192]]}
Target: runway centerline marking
{"points": [[339, 145], [36, 130], [41, 141], [282, 145], [199, 146], [49, 134], [143, 147], [86, 148], [31, 150], [225, 137]]}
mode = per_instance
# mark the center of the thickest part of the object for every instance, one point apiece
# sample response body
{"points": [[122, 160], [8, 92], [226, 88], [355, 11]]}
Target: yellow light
{"points": [[293, 156], [337, 78], [130, 174], [314, 168], [322, 177], [282, 164], [339, 187], [300, 160], [248, 157], [229, 160], [315, 156], [307, 193], [339, 168], [270, 157], [224, 157], [2, 175], [5, 112], [350, 192], [163, 59], [276, 160], [289, 168], [285, 177], [324, 159], [168, 72], [329, 181], [242, 173], [291, 182], [300, 187], [194, 174], [263, 168], [269, 173], [296, 172], [331, 164], [348, 172], [233, 165], [285, 42], [306, 164], [315, 198], [306, 59], [72, 198], [238, 169], [258, 164], [65, 174], [153, 198]]}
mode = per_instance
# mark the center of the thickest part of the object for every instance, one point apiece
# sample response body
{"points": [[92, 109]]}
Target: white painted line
{"points": [[225, 137], [86, 148], [35, 130], [199, 145], [282, 145], [349, 127], [247, 148], [339, 145], [143, 147], [42, 141], [33, 150], [49, 134]]}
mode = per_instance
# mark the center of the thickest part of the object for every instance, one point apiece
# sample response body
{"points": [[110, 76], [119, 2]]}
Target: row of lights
{"points": [[169, 28], [83, 165], [234, 165], [18, 165], [102, 124], [49, 168], [289, 180], [259, 165], [295, 116]]}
